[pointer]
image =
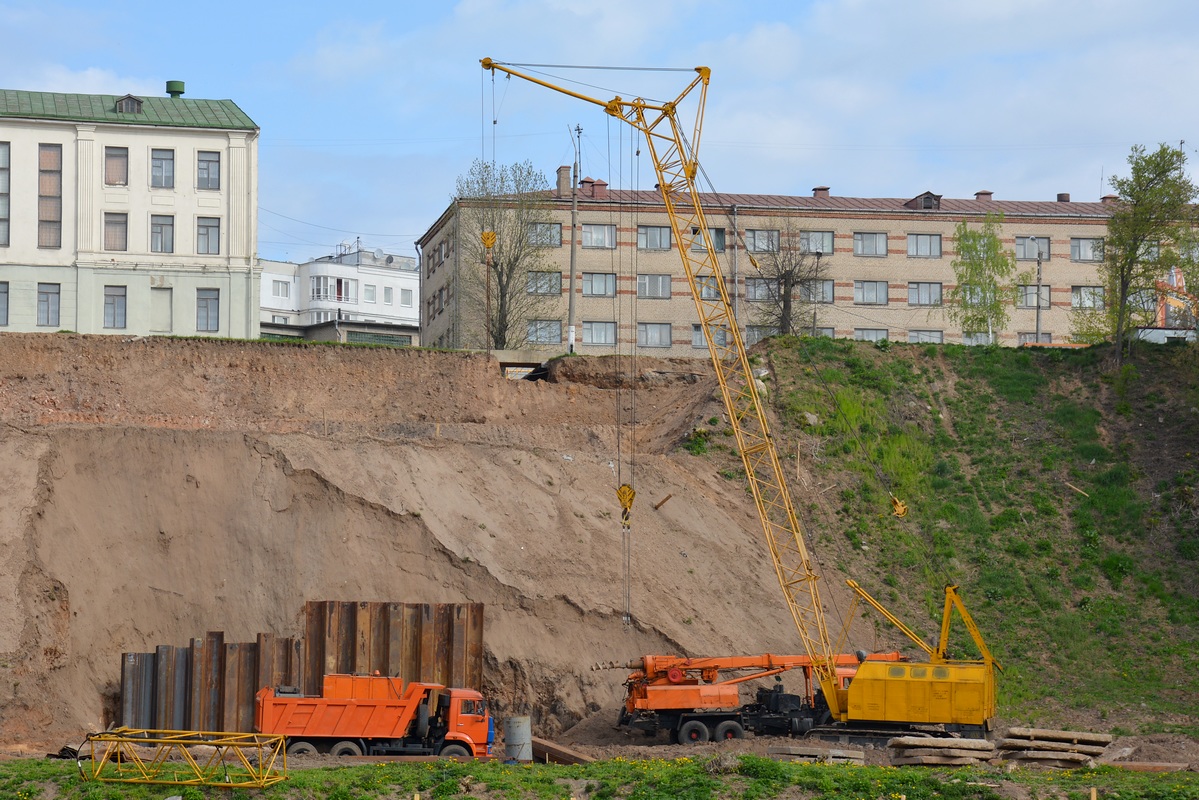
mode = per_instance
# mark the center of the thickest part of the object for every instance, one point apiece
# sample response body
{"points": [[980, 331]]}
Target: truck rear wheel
{"points": [[301, 748], [729, 729], [345, 748], [454, 750], [693, 732]]}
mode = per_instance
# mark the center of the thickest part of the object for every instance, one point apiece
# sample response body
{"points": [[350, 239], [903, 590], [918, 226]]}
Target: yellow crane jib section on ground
{"points": [[183, 758]]}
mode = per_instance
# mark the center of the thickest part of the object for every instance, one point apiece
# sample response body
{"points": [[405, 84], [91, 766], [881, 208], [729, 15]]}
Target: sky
{"points": [[370, 111]]}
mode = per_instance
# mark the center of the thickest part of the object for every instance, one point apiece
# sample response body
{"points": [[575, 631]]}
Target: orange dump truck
{"points": [[370, 715]]}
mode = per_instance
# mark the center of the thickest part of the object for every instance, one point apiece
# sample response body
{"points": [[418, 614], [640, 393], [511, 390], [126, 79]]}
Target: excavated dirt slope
{"points": [[156, 489]]}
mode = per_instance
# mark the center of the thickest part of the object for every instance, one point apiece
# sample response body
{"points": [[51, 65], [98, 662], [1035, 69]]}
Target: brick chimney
{"points": [[984, 195], [563, 187], [1063, 197], [599, 190], [820, 191], [587, 186], [1109, 199]]}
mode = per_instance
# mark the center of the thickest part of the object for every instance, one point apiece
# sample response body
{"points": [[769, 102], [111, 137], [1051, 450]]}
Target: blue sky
{"points": [[370, 110]]}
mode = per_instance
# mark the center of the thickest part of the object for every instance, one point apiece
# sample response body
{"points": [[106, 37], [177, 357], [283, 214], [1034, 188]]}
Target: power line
{"points": [[339, 230]]}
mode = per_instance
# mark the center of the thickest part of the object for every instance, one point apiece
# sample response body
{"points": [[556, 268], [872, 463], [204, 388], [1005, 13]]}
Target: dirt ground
{"points": [[157, 489]]}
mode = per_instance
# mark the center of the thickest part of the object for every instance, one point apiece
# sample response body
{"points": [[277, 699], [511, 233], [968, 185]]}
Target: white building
{"points": [[354, 295], [133, 215]]}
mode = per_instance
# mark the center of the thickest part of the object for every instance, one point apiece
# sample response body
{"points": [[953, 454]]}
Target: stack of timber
{"points": [[937, 752], [1048, 748], [817, 755]]}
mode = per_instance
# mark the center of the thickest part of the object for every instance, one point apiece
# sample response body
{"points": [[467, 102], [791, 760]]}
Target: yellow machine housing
{"points": [[931, 694]]}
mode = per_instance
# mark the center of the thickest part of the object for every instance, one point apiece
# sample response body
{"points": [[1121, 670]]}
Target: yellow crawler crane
{"points": [[676, 164]]}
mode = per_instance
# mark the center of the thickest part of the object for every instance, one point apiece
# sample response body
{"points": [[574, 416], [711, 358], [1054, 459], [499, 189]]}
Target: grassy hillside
{"points": [[1062, 498]]}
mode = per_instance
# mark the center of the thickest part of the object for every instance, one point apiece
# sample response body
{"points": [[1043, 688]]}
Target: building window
{"points": [[545, 234], [162, 169], [114, 306], [603, 236], [49, 196], [208, 170], [762, 241], [5, 153], [719, 334], [388, 296], [828, 333], [47, 304], [208, 310], [870, 244], [756, 333], [816, 291], [116, 166], [162, 233], [1027, 247], [871, 293], [653, 334], [650, 237], [1086, 297], [869, 334], [405, 297], [1030, 337], [1086, 249], [599, 332], [975, 339], [599, 284], [3, 302], [368, 293], [545, 331], [342, 290], [281, 289], [208, 236], [717, 235], [653, 286], [1026, 295], [760, 289], [544, 282], [922, 337], [278, 319], [816, 242], [924, 294], [924, 245], [116, 231], [708, 289]]}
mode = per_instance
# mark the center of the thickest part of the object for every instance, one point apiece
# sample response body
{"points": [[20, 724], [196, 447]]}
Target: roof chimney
{"points": [[983, 195], [1109, 199], [562, 189], [1063, 197], [175, 88], [820, 191], [600, 190]]}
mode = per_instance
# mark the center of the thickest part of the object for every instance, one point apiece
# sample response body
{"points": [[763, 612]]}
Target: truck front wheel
{"points": [[693, 732], [345, 748], [454, 750]]}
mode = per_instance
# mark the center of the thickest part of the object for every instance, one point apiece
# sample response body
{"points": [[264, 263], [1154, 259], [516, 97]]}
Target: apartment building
{"points": [[885, 264], [128, 215]]}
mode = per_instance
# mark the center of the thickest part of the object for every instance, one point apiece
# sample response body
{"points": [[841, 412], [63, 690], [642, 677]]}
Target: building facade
{"points": [[885, 267], [128, 215]]}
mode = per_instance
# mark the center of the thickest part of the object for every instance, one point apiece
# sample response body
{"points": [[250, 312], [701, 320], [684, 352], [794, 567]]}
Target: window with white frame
{"points": [[323, 316], [762, 241], [717, 235], [545, 331], [208, 310], [653, 237], [116, 166], [1027, 295], [278, 319], [923, 337], [975, 338], [828, 333], [544, 282], [281, 289], [1084, 249], [162, 233], [208, 235], [3, 302], [870, 293], [599, 236], [599, 332], [389, 295], [653, 334], [47, 303], [49, 196], [114, 306], [759, 289], [719, 334], [869, 244], [5, 156], [369, 292], [208, 169], [1027, 248], [977, 295], [405, 297], [816, 291], [921, 293], [653, 287], [1030, 337], [924, 245], [1086, 297], [708, 288], [599, 284], [816, 242], [545, 234], [869, 334], [162, 169], [328, 287], [116, 232]]}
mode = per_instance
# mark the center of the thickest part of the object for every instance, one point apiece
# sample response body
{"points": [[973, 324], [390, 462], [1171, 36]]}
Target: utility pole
{"points": [[1038, 241], [574, 216]]}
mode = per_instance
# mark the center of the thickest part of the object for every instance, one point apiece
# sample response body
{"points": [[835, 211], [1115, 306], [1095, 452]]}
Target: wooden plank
{"points": [[1076, 737], [1029, 744], [1040, 755], [935, 741], [819, 752], [948, 752], [548, 752], [934, 761]]}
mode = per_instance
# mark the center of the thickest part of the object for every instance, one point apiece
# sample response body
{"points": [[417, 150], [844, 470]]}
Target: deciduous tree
{"points": [[791, 280], [983, 270]]}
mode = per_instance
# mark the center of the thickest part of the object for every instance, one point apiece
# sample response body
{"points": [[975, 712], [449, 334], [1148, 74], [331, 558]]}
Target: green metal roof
{"points": [[172, 111]]}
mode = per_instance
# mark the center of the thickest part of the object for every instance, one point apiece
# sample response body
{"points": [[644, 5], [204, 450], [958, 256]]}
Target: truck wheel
{"points": [[693, 732], [454, 750], [729, 729], [301, 748], [345, 748], [422, 721]]}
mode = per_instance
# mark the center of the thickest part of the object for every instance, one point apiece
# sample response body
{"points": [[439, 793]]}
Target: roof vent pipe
{"points": [[175, 88]]}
